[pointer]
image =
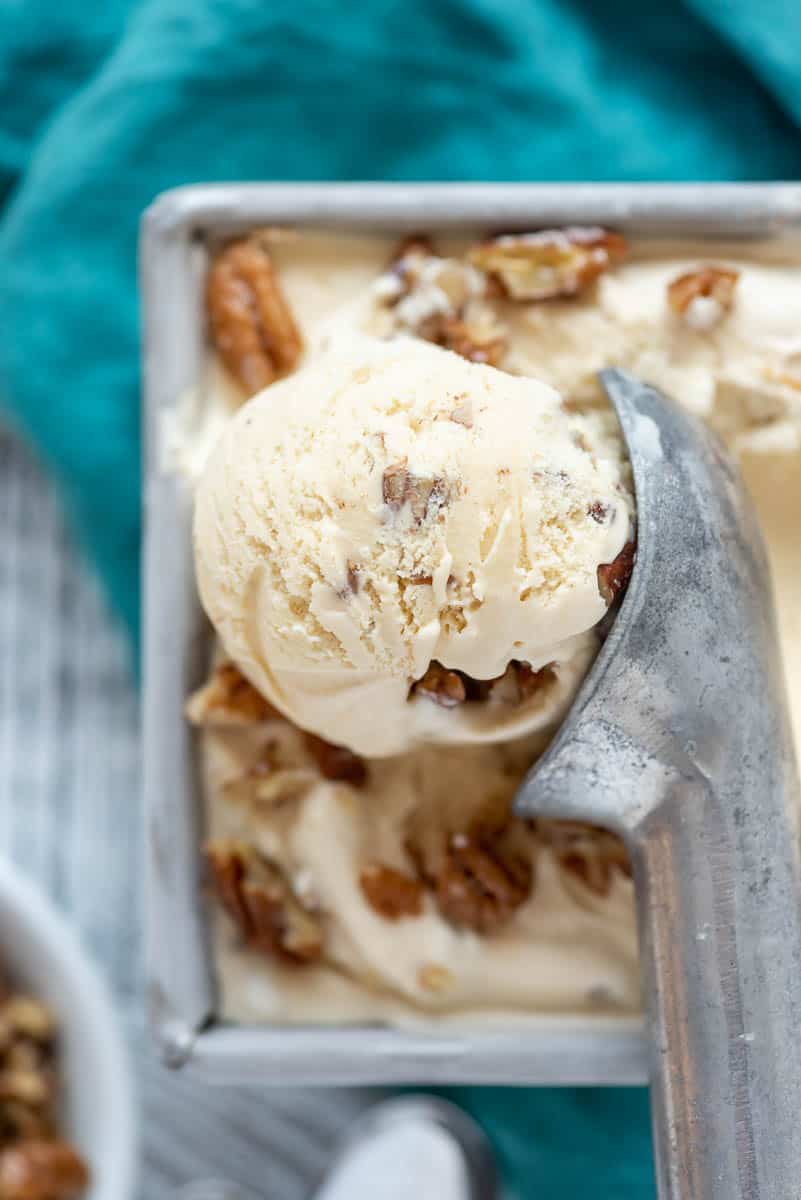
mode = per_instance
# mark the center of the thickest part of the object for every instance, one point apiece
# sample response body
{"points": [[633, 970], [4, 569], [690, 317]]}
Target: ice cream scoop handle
{"points": [[720, 932]]}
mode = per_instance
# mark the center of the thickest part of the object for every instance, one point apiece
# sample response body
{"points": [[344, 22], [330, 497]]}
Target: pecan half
{"points": [[337, 762], [588, 853], [425, 496], [703, 297], [614, 576], [227, 698], [250, 321], [482, 882], [260, 901], [25, 1017], [392, 893], [548, 264], [444, 687], [28, 1074], [42, 1170], [455, 334]]}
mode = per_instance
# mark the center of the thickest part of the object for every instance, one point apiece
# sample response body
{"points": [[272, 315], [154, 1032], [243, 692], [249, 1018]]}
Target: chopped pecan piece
{"points": [[598, 511], [42, 1170], [28, 1087], [337, 762], [482, 882], [23, 1016], [444, 687], [614, 576], [392, 893], [266, 789], [229, 699], [425, 496], [455, 334], [463, 413], [519, 682], [703, 297], [409, 255], [251, 324], [22, 1122], [353, 578], [549, 264], [28, 1074], [262, 904], [394, 483], [590, 854], [434, 978], [451, 687], [403, 270]]}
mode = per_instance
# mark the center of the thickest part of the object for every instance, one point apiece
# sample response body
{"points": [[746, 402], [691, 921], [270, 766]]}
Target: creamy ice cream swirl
{"points": [[391, 505]]}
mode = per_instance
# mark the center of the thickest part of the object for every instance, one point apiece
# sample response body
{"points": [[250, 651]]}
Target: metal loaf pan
{"points": [[175, 229]]}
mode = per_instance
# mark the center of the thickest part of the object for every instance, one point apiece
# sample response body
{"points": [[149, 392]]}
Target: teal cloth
{"points": [[104, 105]]}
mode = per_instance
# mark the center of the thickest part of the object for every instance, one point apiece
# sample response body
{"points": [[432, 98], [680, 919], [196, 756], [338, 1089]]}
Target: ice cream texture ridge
{"points": [[407, 545], [390, 505]]}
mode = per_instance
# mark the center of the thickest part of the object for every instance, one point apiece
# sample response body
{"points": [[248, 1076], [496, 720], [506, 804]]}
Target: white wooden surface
{"points": [[69, 814]]}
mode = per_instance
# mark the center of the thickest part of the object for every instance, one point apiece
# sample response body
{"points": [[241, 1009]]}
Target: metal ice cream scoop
{"points": [[679, 740]]}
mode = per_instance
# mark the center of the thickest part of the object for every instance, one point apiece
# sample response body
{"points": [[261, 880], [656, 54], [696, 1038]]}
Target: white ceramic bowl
{"points": [[43, 955]]}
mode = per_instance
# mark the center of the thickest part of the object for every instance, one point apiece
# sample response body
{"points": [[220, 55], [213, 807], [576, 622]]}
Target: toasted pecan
{"points": [[408, 257], [260, 901], [392, 893], [250, 321], [337, 762], [520, 682], [614, 576], [444, 687], [29, 1082], [425, 495], [450, 688], [716, 284], [587, 852], [482, 881], [455, 334], [42, 1170], [228, 698], [550, 263]]}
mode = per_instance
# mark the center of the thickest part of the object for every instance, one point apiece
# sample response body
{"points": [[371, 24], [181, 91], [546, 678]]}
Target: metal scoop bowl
{"points": [[679, 741]]}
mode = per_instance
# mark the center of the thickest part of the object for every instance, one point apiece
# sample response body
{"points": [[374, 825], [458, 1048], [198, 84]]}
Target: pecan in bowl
{"points": [[36, 1163]]}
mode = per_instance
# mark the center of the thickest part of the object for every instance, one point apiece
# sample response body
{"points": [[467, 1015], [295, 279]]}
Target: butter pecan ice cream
{"points": [[393, 514], [358, 887]]}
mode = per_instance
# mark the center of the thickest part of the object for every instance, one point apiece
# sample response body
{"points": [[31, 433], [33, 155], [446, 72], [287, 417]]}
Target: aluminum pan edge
{"points": [[180, 990]]}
